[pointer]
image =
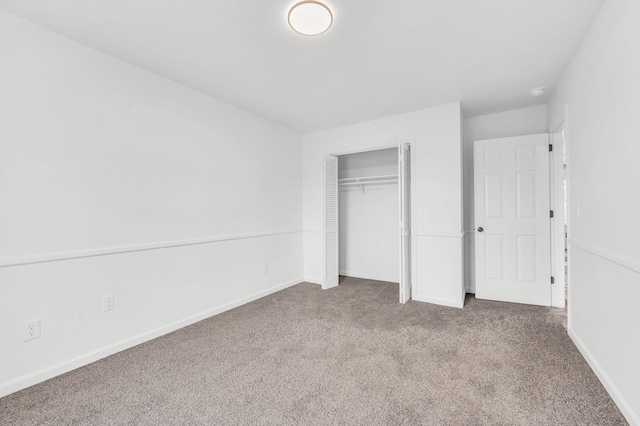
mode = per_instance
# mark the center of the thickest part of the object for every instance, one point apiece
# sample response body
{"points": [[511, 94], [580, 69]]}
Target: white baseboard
{"points": [[47, 373], [438, 301], [471, 290], [632, 417], [313, 280], [369, 277]]}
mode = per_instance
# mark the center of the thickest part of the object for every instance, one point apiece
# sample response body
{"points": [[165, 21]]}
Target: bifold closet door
{"points": [[330, 222], [404, 174]]}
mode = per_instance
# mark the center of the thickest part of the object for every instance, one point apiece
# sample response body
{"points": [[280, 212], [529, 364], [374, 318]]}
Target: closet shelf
{"points": [[364, 180], [367, 179]]}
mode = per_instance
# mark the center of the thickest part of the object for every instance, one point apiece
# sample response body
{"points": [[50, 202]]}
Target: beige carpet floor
{"points": [[346, 356]]}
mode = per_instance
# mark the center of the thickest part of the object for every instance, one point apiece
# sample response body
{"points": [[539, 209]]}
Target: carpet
{"points": [[350, 355]]}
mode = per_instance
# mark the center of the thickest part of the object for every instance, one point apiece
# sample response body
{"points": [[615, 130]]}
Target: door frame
{"points": [[412, 145], [556, 180], [558, 239]]}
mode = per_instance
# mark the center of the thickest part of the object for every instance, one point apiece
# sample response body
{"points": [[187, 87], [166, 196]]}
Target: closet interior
{"points": [[369, 215]]}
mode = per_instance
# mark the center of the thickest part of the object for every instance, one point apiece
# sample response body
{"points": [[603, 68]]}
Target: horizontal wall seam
{"points": [[606, 255], [424, 234], [80, 254]]}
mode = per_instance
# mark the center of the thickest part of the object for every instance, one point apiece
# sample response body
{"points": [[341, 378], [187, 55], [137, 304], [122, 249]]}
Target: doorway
{"points": [[367, 216]]}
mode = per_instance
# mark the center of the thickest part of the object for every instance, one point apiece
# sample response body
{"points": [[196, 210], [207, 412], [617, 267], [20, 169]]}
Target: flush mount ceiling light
{"points": [[537, 92], [310, 18]]}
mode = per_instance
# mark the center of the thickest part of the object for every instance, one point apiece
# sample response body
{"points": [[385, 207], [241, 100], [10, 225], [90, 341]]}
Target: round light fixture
{"points": [[310, 18], [537, 92]]}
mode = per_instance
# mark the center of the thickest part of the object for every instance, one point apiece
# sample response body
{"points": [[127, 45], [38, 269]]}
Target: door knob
{"points": [[480, 229]]}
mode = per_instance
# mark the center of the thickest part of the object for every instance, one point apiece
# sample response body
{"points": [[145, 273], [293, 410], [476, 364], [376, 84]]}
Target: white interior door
{"points": [[404, 175], [330, 222], [512, 219]]}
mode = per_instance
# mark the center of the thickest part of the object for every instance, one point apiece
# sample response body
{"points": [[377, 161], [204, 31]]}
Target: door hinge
{"points": [[553, 280], [550, 147], [551, 213]]}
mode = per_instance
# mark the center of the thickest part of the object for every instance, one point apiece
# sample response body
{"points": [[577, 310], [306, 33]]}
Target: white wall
{"points": [[99, 158], [369, 220], [519, 122], [379, 162], [437, 214], [601, 92]]}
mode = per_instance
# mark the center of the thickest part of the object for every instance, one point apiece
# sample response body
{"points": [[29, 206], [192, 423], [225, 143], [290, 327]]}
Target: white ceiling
{"points": [[380, 57]]}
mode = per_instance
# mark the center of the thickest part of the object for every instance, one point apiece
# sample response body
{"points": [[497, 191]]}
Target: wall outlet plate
{"points": [[107, 303], [31, 330], [264, 269]]}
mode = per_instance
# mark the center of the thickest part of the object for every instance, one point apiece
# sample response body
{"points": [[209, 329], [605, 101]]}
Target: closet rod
{"points": [[364, 183], [365, 179]]}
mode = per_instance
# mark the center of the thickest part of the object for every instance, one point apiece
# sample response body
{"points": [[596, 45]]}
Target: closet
{"points": [[367, 217]]}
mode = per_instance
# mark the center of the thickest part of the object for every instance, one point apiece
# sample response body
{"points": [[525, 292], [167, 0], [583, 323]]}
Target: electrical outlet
{"points": [[107, 303], [31, 330], [264, 270]]}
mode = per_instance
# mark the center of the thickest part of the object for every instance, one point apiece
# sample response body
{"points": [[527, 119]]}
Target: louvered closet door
{"points": [[330, 264], [404, 171]]}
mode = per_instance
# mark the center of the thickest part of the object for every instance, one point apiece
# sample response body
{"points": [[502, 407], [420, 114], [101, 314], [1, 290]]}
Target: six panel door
{"points": [[512, 219]]}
